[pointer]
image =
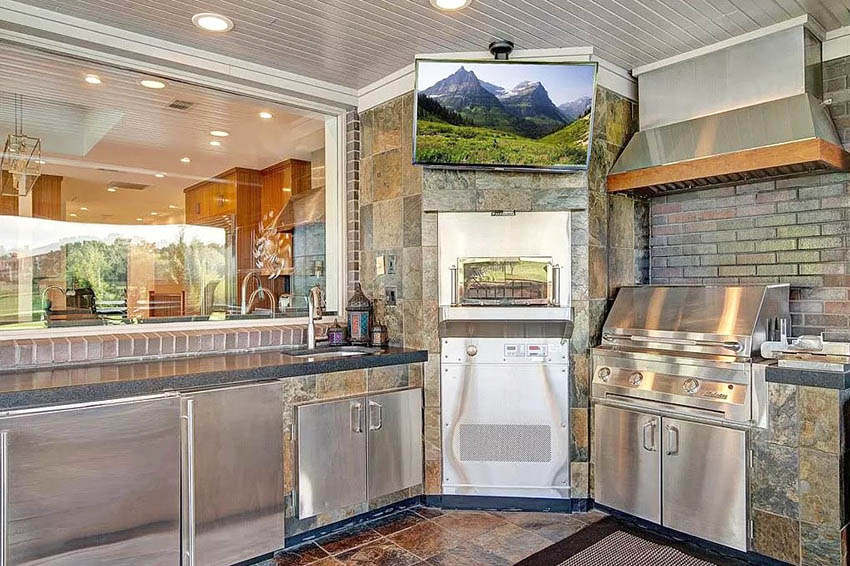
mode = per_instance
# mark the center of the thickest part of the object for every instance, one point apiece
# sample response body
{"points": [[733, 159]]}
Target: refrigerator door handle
{"points": [[649, 427], [672, 440]]}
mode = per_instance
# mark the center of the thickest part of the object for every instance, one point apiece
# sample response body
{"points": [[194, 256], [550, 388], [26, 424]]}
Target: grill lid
{"points": [[732, 320]]}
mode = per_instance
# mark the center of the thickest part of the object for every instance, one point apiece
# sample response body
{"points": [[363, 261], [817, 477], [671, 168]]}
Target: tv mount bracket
{"points": [[501, 49]]}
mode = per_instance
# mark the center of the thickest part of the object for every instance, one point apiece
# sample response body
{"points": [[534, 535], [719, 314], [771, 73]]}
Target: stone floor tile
{"points": [[467, 554], [428, 512], [382, 552], [552, 526], [469, 524], [300, 556], [425, 539], [348, 539], [511, 542], [396, 522]]}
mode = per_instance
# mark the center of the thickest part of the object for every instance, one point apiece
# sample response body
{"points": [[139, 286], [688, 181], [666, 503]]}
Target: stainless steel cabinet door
{"points": [[331, 456], [95, 486], [395, 442], [628, 462], [705, 481], [233, 474]]}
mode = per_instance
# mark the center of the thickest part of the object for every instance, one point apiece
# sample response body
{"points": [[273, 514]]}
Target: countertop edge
{"points": [[106, 391], [808, 378]]}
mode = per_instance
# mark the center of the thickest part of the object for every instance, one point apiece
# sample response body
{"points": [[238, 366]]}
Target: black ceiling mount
{"points": [[501, 49]]}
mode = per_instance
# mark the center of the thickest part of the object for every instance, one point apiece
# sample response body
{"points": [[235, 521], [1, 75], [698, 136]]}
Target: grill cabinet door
{"points": [[235, 459], [331, 456], [94, 486], [628, 462], [705, 470], [395, 442]]}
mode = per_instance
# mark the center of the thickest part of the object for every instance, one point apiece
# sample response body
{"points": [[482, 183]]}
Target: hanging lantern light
{"points": [[20, 164]]}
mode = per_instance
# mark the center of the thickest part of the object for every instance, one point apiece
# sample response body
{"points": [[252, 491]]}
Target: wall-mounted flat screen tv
{"points": [[503, 114]]}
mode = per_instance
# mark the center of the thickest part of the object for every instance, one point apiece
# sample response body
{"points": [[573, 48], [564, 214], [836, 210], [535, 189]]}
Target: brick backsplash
{"points": [[794, 231], [42, 352]]}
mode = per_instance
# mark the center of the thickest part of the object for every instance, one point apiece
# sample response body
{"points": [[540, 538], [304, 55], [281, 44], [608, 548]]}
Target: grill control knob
{"points": [[471, 350], [690, 385], [604, 374], [636, 378]]}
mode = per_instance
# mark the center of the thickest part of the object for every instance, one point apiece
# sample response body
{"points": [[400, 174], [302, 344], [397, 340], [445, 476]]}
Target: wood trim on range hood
{"points": [[788, 159]]}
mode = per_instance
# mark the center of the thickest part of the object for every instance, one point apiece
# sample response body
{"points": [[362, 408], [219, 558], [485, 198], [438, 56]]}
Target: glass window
{"points": [[129, 198]]}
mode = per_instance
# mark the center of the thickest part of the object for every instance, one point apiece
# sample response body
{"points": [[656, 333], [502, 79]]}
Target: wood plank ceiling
{"points": [[356, 42]]}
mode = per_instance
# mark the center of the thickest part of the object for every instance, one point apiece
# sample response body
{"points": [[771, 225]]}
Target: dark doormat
{"points": [[612, 542]]}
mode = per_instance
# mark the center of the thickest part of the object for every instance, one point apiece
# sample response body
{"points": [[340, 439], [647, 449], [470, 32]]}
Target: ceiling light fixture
{"points": [[150, 83], [159, 175], [209, 21], [112, 190], [173, 206], [140, 219], [84, 208], [72, 215], [215, 143], [93, 79], [154, 213], [219, 133], [185, 160], [266, 115], [450, 5]]}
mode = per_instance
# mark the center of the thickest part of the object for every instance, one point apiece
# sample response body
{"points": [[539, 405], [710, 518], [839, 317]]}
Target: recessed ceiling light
{"points": [[185, 160], [42, 162], [173, 206], [93, 79], [112, 190], [215, 143], [84, 208], [450, 5], [72, 215], [159, 175], [140, 219], [219, 133], [154, 213], [150, 83], [212, 22], [266, 115]]}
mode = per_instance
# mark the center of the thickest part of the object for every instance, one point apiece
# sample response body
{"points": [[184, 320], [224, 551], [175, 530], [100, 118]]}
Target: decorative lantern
{"points": [[20, 163], [359, 315]]}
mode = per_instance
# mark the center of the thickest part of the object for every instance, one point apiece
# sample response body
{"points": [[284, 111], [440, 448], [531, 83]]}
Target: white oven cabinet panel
{"points": [[395, 456], [233, 474], [96, 485], [705, 481], [627, 468], [331, 455], [506, 430]]}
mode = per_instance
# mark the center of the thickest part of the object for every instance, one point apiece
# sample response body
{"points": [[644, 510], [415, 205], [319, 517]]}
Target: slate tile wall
{"points": [[398, 216]]}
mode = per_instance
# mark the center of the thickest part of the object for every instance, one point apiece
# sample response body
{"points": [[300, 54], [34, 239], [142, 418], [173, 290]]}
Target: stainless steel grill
{"points": [[675, 388]]}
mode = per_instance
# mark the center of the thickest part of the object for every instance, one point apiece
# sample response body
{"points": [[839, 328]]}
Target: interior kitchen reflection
{"points": [[149, 200]]}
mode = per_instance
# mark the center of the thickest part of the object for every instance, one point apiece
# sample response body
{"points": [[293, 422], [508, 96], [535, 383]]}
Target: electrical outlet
{"points": [[390, 295], [379, 265], [391, 265]]}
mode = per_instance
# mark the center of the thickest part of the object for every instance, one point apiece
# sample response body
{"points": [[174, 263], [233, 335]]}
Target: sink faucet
{"points": [[261, 291], [250, 275], [44, 298], [315, 306]]}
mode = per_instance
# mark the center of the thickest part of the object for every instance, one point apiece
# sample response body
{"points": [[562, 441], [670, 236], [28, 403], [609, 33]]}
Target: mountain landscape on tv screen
{"points": [[465, 120]]}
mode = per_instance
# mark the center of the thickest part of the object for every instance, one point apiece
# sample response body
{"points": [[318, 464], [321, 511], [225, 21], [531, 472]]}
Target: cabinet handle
{"points": [[190, 482], [649, 427], [380, 420], [672, 440], [4, 497], [356, 417]]}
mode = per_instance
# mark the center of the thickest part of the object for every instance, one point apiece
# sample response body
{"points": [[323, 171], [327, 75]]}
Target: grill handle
{"points": [[729, 344]]}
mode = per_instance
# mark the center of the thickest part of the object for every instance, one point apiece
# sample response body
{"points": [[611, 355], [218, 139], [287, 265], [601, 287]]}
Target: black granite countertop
{"points": [[808, 377], [91, 383]]}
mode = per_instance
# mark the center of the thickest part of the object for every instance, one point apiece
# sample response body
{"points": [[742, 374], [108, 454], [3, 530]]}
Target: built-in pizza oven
{"points": [[506, 281]]}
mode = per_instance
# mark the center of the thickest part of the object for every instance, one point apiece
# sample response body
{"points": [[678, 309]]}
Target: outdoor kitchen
{"points": [[425, 283]]}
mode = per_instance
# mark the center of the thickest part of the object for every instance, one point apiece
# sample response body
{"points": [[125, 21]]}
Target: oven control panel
{"points": [[526, 350], [504, 350]]}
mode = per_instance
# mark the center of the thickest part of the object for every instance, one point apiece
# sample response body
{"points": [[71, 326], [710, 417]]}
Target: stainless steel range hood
{"points": [[751, 110]]}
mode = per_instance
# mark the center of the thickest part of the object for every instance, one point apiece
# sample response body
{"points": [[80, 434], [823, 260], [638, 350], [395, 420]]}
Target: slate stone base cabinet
{"points": [[799, 477]]}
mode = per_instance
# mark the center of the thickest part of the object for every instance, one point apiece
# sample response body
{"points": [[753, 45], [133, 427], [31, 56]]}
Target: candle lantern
{"points": [[359, 317]]}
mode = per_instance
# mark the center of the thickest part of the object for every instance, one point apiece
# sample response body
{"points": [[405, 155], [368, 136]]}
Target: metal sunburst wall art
{"points": [[21, 159], [270, 246]]}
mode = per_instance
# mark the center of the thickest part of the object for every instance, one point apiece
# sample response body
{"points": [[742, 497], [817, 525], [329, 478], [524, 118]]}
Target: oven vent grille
{"points": [[505, 443], [182, 105]]}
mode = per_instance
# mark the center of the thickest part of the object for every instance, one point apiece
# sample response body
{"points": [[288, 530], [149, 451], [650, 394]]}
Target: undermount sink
{"points": [[334, 352]]}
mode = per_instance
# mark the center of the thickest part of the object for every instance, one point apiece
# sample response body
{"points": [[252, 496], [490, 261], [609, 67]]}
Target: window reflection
{"points": [[174, 204]]}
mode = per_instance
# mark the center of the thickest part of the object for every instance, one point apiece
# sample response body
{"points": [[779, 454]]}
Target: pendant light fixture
{"points": [[20, 164]]}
